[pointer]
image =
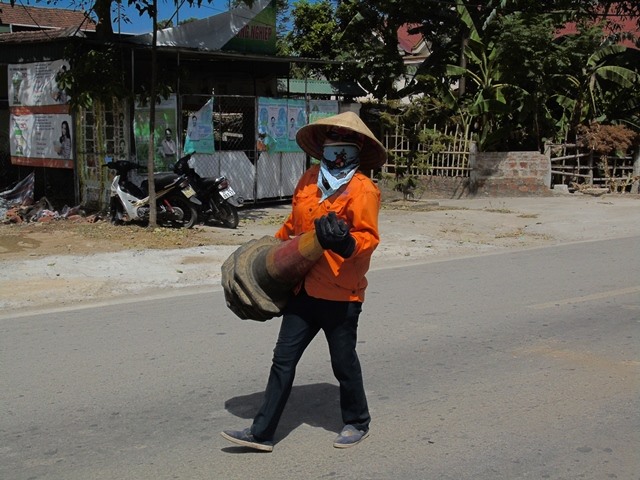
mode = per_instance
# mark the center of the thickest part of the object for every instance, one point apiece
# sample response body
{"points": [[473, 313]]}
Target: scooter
{"points": [[214, 193], [175, 198]]}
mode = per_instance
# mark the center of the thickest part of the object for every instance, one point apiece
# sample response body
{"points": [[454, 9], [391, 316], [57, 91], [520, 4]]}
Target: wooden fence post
{"points": [[635, 184], [473, 172], [547, 152]]}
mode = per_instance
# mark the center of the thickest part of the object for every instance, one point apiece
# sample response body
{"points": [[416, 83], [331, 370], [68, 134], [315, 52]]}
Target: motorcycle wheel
{"points": [[185, 213], [226, 214], [116, 213]]}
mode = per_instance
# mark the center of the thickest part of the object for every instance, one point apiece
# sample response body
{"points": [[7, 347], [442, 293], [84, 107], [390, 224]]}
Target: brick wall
{"points": [[509, 174], [444, 187], [493, 174]]}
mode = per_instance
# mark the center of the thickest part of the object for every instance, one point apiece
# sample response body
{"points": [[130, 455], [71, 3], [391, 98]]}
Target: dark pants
{"points": [[302, 319]]}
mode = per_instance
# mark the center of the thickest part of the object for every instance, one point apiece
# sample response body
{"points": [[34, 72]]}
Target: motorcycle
{"points": [[175, 198], [214, 193]]}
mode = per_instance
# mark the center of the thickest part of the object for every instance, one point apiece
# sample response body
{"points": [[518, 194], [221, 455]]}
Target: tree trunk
{"points": [[153, 213], [462, 83], [104, 28]]}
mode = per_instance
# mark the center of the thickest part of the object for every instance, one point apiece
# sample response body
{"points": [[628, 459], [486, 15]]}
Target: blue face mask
{"points": [[339, 164], [340, 156]]}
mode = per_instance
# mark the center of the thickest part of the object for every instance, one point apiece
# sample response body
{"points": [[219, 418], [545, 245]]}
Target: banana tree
{"points": [[588, 93], [485, 105]]}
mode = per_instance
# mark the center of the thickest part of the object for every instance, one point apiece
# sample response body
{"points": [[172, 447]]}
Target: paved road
{"points": [[508, 366]]}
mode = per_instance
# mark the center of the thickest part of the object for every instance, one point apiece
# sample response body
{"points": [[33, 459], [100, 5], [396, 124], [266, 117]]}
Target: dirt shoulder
{"points": [[64, 264]]}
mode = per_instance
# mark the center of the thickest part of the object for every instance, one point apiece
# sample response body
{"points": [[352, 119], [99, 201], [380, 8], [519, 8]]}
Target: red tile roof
{"points": [[39, 36], [624, 25], [44, 17], [409, 42]]}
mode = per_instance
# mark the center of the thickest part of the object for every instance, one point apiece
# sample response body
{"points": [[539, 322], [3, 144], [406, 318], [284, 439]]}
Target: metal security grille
{"points": [[234, 123], [254, 175], [233, 120]]}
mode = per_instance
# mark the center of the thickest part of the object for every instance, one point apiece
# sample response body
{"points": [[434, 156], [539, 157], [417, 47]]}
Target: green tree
{"points": [[528, 56], [358, 36], [485, 103], [283, 21], [369, 45], [313, 32], [586, 92], [529, 84]]}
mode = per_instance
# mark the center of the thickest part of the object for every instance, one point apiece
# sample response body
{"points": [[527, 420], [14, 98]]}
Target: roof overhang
{"points": [[320, 87]]}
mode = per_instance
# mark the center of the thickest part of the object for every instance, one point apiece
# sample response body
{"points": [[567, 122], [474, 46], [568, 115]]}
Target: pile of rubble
{"points": [[17, 206], [41, 211]]}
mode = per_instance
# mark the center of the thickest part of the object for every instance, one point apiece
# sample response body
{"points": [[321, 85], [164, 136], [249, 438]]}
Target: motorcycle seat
{"points": [[161, 180], [209, 182]]}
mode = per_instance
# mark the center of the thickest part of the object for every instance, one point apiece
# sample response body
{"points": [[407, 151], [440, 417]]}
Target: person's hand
{"points": [[333, 234]]}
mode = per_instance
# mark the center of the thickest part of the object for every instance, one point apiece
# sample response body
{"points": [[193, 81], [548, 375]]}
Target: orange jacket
{"points": [[358, 203]]}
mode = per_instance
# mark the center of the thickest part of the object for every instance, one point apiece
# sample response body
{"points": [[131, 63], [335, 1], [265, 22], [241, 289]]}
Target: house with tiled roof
{"points": [[622, 27], [21, 18], [414, 51], [412, 46]]}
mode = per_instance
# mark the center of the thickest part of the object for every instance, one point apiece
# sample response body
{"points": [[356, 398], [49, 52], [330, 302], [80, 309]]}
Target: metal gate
{"points": [[253, 174]]}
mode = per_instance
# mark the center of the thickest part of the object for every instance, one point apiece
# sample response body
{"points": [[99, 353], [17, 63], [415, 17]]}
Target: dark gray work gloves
{"points": [[333, 234]]}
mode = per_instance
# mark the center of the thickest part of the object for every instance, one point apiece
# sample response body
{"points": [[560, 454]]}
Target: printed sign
{"points": [[165, 114], [41, 136], [278, 122], [35, 85], [257, 36], [199, 138], [40, 126], [322, 108]]}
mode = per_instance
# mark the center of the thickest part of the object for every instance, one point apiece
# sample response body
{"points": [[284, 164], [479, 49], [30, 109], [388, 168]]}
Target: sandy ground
{"points": [[63, 268]]}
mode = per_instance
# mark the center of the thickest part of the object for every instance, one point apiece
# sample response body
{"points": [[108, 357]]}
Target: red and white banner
{"points": [[40, 125]]}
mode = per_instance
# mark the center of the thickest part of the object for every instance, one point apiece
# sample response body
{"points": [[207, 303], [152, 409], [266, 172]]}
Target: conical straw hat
{"points": [[311, 138]]}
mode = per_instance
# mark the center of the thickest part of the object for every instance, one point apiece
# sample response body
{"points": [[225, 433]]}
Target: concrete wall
{"points": [[509, 174]]}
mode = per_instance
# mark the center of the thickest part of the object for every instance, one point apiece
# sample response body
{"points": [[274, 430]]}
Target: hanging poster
{"points": [[165, 120], [40, 125], [199, 137], [278, 122], [35, 85], [42, 140], [322, 108]]}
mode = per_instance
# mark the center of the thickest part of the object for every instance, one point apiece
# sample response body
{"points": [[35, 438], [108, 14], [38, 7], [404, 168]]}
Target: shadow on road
{"points": [[317, 405]]}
